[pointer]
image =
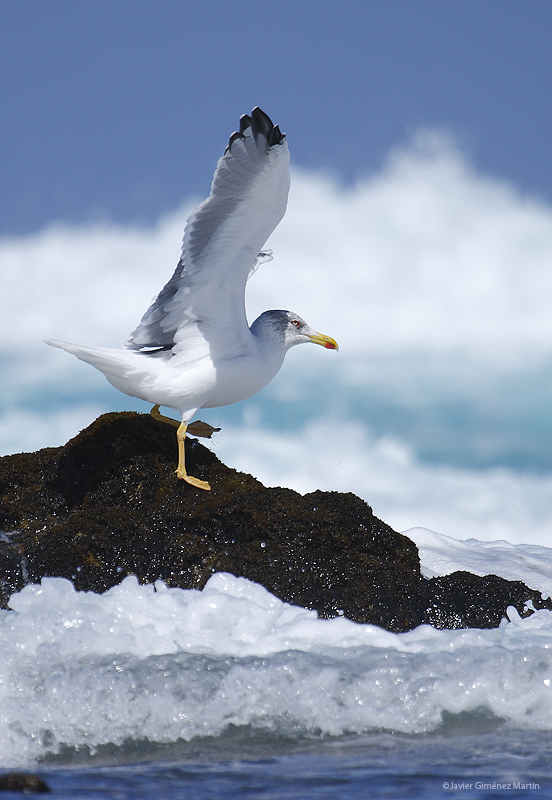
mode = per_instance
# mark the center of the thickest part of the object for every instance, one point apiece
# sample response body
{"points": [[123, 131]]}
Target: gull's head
{"points": [[289, 329]]}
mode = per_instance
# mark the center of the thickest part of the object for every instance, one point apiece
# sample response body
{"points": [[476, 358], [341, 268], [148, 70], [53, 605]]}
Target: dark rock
{"points": [[12, 577], [108, 504], [18, 782], [463, 600]]}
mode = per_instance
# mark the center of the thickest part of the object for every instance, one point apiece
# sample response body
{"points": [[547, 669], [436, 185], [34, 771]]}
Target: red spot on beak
{"points": [[329, 346]]}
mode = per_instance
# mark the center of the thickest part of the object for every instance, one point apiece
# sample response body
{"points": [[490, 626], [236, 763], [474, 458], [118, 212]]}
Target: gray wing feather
{"points": [[204, 299]]}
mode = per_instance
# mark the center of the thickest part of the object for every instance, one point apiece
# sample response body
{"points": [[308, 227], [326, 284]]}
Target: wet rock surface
{"points": [[20, 782], [107, 504]]}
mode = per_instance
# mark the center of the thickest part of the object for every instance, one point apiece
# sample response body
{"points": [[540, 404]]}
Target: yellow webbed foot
{"points": [[202, 429], [197, 428], [197, 482]]}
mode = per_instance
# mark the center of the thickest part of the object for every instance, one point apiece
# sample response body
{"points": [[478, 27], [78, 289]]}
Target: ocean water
{"points": [[147, 691]]}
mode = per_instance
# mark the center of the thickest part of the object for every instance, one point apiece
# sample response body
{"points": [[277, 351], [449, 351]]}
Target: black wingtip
{"points": [[245, 122], [261, 125], [275, 136]]}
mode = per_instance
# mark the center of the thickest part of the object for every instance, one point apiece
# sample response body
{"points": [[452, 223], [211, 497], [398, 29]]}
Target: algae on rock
{"points": [[107, 504]]}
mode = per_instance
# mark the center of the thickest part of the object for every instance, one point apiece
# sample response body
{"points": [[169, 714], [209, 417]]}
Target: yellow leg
{"points": [[156, 414], [181, 469]]}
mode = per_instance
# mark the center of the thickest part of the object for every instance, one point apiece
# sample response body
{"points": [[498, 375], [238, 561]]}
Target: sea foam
{"points": [[158, 664]]}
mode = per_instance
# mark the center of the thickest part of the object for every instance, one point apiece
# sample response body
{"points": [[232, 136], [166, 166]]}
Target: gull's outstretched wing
{"points": [[201, 310]]}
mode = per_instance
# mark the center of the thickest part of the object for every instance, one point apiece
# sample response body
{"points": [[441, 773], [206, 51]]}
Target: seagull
{"points": [[193, 347]]}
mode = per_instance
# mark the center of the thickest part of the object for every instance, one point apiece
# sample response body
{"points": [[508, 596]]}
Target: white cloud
{"points": [[425, 255], [24, 430], [80, 282]]}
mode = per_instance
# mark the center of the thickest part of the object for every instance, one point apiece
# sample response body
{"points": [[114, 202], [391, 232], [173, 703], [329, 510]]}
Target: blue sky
{"points": [[119, 109]]}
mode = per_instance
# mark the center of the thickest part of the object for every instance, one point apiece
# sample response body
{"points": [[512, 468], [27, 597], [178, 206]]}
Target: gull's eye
{"points": [[296, 323]]}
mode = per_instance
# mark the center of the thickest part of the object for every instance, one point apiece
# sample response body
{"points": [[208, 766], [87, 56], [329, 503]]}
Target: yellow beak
{"points": [[325, 341]]}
